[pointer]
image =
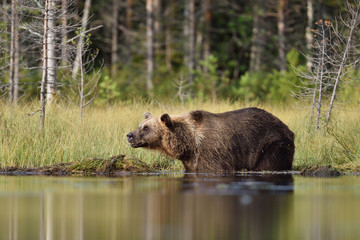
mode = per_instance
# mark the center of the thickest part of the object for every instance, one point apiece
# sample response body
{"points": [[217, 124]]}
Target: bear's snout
{"points": [[130, 136], [134, 140]]}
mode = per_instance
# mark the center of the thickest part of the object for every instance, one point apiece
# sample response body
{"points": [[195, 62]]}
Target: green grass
{"points": [[102, 134]]}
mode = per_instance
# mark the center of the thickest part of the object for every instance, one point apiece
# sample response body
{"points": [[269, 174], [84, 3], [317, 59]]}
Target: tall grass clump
{"points": [[102, 134], [335, 144]]}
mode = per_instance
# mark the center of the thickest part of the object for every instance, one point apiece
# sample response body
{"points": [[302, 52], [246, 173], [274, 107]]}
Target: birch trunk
{"points": [[12, 52], [44, 72], [320, 77], [51, 54], [16, 59], [84, 23], [308, 33], [149, 45]]}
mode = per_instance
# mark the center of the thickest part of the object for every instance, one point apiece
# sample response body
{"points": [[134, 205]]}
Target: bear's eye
{"points": [[146, 128]]}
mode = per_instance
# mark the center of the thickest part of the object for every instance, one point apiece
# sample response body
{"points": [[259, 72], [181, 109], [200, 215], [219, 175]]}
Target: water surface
{"points": [[178, 206]]}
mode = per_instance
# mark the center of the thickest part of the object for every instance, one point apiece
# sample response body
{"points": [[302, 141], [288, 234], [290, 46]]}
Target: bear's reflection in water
{"points": [[231, 207], [225, 207], [237, 184]]}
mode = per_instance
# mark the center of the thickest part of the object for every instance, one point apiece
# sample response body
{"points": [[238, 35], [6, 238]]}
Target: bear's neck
{"points": [[179, 144]]}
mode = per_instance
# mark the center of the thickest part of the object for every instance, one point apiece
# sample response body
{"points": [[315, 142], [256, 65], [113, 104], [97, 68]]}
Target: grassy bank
{"points": [[101, 134]]}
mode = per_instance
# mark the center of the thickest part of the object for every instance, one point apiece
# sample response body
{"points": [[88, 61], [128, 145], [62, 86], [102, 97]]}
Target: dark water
{"points": [[180, 206]]}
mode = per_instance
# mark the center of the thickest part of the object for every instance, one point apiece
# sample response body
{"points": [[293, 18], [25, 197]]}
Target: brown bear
{"points": [[248, 138]]}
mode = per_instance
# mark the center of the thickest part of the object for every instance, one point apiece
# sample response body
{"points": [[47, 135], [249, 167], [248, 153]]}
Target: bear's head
{"points": [[150, 132]]}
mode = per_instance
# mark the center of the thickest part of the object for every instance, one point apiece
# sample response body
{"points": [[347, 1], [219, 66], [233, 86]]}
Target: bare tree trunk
{"points": [[257, 45], [157, 24], [169, 15], [320, 78], [44, 72], [114, 38], [353, 23], [207, 40], [51, 54], [64, 53], [129, 4], [4, 5], [207, 17], [191, 40], [84, 23], [16, 60], [82, 98], [12, 51], [199, 40], [281, 34], [308, 33], [129, 14], [186, 32], [150, 45], [320, 59]]}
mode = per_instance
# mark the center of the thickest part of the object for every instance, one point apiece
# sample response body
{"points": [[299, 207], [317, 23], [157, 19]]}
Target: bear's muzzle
{"points": [[133, 143]]}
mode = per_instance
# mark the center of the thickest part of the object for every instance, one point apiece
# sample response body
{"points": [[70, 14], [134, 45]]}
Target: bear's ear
{"points": [[165, 118], [147, 115], [197, 116]]}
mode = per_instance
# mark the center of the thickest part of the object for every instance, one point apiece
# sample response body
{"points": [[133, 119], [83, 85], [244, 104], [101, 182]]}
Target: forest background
{"points": [[231, 49]]}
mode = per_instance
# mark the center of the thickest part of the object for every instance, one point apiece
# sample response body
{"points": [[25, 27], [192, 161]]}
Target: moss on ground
{"points": [[113, 166]]}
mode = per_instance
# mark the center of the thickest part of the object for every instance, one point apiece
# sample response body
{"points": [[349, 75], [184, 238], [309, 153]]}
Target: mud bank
{"points": [[114, 166], [122, 165]]}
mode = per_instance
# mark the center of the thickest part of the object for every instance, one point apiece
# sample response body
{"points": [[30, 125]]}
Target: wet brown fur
{"points": [[248, 138]]}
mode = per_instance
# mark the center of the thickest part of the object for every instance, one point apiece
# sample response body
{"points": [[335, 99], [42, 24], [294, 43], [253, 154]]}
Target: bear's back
{"points": [[239, 134]]}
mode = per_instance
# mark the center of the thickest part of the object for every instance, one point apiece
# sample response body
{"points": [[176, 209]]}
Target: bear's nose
{"points": [[130, 136]]}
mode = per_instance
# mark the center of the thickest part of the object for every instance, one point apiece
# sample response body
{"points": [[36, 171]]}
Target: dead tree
{"points": [[319, 76], [37, 13], [183, 86], [343, 66], [49, 33], [80, 88], [332, 58], [86, 82], [84, 22]]}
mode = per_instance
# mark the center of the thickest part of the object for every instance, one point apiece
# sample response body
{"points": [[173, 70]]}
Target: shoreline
{"points": [[120, 166]]}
